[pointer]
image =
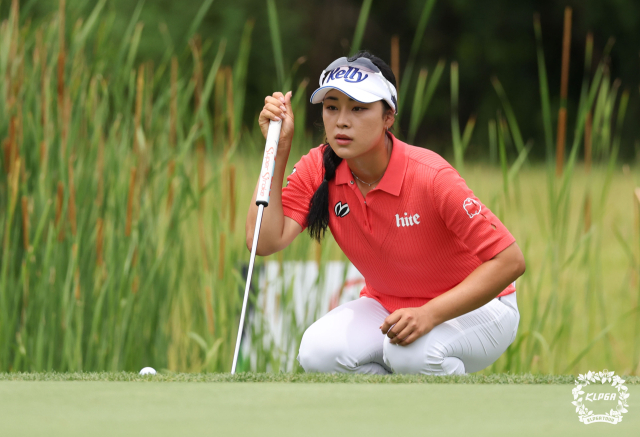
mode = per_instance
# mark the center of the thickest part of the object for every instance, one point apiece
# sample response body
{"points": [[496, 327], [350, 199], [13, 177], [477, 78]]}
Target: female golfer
{"points": [[439, 266]]}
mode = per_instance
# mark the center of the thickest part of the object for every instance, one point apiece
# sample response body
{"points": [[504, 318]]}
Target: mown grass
{"points": [[166, 376], [291, 409]]}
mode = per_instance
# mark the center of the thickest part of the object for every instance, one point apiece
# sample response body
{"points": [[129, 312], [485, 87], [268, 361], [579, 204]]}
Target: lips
{"points": [[343, 137]]}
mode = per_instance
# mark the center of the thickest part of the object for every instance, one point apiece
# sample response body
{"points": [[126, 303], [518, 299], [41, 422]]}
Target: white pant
{"points": [[348, 339]]}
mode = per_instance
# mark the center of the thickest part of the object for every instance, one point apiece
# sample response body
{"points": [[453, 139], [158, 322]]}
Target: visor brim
{"points": [[356, 94]]}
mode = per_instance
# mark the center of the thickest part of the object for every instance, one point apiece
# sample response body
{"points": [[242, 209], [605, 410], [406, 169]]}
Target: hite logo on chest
{"points": [[407, 220], [341, 210]]}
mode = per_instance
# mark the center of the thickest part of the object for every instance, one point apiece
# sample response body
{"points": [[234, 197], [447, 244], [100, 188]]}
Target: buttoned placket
{"points": [[363, 204]]}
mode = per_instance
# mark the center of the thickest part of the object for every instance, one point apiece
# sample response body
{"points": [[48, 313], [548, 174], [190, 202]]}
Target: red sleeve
{"points": [[467, 217], [301, 185]]}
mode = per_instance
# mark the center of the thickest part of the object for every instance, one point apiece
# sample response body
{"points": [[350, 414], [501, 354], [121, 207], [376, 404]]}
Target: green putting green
{"points": [[113, 408]]}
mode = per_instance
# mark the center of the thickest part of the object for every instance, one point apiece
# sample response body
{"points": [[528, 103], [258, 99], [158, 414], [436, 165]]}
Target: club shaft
{"points": [[262, 200], [254, 247]]}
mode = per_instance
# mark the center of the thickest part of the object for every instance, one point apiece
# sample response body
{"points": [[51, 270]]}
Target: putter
{"points": [[262, 200]]}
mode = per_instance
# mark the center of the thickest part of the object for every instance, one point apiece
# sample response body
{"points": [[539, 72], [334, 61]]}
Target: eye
{"points": [[329, 107], [359, 107]]}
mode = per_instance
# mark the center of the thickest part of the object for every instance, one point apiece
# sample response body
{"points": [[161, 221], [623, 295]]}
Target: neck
{"points": [[371, 166]]}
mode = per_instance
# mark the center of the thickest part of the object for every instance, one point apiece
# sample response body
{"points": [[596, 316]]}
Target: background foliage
{"points": [[130, 150], [488, 38]]}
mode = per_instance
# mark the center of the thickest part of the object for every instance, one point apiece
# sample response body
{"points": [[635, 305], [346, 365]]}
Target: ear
{"points": [[389, 118]]}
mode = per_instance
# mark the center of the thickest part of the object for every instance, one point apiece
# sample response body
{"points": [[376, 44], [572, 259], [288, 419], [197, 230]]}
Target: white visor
{"points": [[360, 84]]}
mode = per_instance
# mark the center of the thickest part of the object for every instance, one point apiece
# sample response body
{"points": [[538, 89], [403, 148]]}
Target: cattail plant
{"points": [[138, 115], [61, 64], [173, 120], [564, 86], [196, 48], [395, 58]]}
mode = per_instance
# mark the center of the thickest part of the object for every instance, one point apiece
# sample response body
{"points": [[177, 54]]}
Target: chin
{"points": [[345, 152]]}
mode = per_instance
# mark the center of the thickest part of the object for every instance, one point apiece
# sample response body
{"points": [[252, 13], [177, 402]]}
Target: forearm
{"points": [[483, 284], [272, 224]]}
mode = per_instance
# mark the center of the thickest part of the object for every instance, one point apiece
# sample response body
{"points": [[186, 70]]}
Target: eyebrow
{"points": [[335, 98]]}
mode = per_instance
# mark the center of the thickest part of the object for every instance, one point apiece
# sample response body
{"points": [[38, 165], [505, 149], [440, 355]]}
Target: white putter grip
{"points": [[268, 163]]}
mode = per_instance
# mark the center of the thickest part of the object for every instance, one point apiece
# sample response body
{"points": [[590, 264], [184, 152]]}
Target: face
{"points": [[362, 122]]}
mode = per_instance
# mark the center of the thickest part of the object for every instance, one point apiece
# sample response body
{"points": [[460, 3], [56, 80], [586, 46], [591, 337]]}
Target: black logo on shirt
{"points": [[341, 210]]}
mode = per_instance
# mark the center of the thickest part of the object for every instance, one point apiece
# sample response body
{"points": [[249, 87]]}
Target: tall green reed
{"points": [[460, 143], [109, 275], [547, 342], [115, 257]]}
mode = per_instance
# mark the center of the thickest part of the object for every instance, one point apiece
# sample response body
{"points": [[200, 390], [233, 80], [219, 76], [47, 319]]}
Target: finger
{"points": [[269, 115], [278, 95], [273, 100], [410, 339], [286, 106], [393, 332], [391, 319], [400, 326], [275, 110], [287, 100], [276, 102], [386, 327], [402, 334]]}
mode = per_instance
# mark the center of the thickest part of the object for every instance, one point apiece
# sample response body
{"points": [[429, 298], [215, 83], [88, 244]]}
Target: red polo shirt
{"points": [[419, 232]]}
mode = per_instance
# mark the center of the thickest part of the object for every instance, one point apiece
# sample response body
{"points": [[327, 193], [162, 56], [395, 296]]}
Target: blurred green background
{"points": [[487, 38]]}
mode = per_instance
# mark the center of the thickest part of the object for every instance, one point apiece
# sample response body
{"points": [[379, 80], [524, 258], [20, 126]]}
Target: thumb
{"points": [[287, 99]]}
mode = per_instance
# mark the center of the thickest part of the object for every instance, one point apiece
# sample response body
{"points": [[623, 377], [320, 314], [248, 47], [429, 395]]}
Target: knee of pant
{"points": [[306, 355], [439, 363], [316, 354], [515, 330], [435, 356], [404, 359]]}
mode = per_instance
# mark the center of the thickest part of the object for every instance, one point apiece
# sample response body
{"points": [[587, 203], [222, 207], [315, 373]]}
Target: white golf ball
{"points": [[148, 371]]}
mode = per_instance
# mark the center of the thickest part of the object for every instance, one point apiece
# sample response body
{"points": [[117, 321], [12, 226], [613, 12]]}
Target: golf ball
{"points": [[148, 371]]}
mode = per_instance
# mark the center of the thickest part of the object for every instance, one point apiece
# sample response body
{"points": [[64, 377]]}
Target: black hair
{"points": [[318, 216]]}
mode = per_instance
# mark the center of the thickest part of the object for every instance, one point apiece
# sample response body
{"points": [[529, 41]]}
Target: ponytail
{"points": [[318, 217]]}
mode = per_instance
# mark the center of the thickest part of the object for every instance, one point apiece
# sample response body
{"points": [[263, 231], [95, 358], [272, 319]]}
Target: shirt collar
{"points": [[391, 182]]}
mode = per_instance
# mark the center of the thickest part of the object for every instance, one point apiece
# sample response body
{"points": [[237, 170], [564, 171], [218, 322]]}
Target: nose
{"points": [[343, 118]]}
